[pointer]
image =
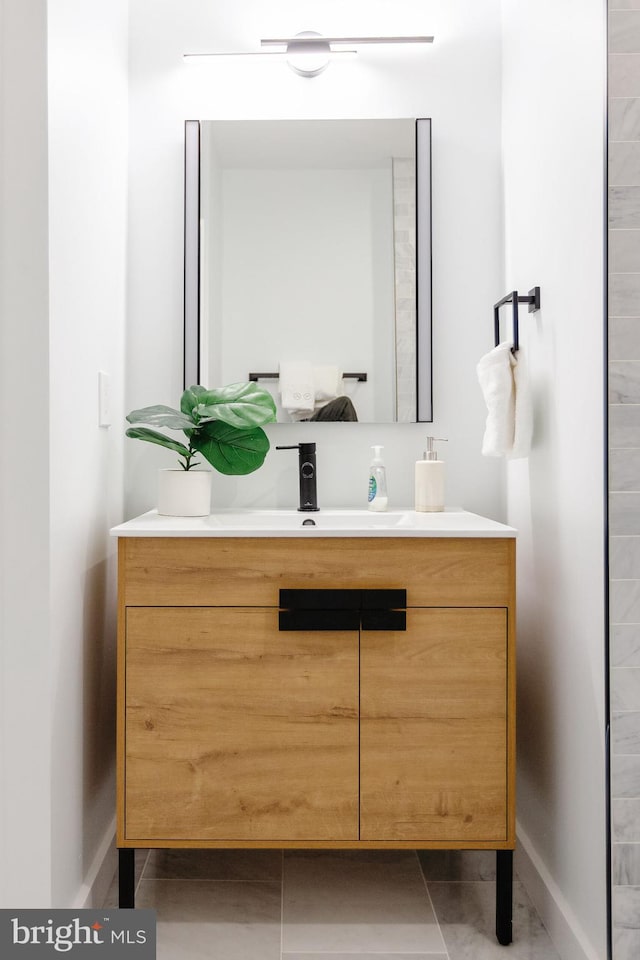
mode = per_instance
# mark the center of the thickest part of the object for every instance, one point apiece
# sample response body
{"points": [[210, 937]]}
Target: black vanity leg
{"points": [[504, 896], [126, 878]]}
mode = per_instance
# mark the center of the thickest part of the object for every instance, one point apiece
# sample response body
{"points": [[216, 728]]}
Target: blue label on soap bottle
{"points": [[373, 488]]}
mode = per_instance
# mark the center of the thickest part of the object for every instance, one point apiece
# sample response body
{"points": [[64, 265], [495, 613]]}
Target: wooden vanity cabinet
{"points": [[233, 732], [237, 732], [433, 729]]}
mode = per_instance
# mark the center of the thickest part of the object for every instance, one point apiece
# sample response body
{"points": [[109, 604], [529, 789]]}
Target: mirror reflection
{"points": [[313, 239]]}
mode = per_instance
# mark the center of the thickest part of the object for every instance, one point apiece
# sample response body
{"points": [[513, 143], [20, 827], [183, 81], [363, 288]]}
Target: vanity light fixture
{"points": [[308, 53]]}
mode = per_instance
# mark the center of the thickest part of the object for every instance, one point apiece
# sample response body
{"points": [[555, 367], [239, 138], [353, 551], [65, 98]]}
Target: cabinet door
{"points": [[235, 731], [434, 728]]}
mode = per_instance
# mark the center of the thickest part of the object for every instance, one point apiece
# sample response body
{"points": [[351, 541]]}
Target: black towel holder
{"points": [[533, 299], [362, 377]]}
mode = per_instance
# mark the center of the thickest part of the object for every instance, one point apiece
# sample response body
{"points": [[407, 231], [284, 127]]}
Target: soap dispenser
{"points": [[429, 480], [377, 482]]}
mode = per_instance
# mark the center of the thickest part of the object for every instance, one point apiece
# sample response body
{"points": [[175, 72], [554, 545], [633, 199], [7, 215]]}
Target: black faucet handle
{"points": [[306, 474], [300, 447]]}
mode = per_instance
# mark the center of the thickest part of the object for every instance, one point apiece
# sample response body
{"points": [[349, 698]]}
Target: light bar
{"points": [[274, 55], [303, 41], [308, 53]]}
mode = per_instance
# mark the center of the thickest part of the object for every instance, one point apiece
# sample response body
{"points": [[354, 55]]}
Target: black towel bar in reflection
{"points": [[533, 299], [361, 377]]}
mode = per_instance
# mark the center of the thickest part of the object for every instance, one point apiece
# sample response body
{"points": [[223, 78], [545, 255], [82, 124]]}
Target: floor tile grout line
{"points": [[141, 877], [432, 905], [281, 904], [273, 882]]}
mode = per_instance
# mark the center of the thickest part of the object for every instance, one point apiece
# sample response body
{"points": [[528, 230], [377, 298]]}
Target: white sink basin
{"points": [[325, 523], [321, 520]]}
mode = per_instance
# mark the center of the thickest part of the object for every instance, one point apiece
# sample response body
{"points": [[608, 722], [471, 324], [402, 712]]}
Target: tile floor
{"points": [[330, 905]]}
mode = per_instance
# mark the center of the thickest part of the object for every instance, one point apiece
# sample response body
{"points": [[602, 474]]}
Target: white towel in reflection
{"points": [[296, 386], [327, 383], [505, 387]]}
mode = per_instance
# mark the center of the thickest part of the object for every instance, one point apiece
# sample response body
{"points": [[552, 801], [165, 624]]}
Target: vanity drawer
{"points": [[234, 571]]}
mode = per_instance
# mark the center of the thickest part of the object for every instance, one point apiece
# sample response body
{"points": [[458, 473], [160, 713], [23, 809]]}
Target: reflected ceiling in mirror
{"points": [[308, 254]]}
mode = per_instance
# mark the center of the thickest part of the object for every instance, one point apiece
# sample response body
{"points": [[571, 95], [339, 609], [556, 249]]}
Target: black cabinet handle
{"points": [[319, 620], [343, 609], [383, 619], [320, 599], [383, 599]]}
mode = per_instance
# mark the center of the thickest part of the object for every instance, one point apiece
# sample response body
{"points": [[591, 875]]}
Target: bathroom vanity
{"points": [[349, 684]]}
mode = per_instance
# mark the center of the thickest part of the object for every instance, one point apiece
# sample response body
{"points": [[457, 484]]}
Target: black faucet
{"points": [[306, 475]]}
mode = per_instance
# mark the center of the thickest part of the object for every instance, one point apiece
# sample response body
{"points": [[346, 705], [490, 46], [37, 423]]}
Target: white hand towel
{"points": [[523, 426], [505, 386], [296, 386], [327, 383], [496, 382]]}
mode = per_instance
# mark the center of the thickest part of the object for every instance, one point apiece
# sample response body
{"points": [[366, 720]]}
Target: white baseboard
{"points": [[99, 877], [561, 923]]}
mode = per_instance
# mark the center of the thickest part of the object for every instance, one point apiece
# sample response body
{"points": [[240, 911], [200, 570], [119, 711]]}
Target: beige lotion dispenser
{"points": [[429, 479]]}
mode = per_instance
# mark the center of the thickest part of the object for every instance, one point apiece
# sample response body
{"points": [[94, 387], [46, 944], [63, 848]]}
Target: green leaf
{"points": [[229, 450], [152, 436], [241, 405], [161, 416], [191, 398]]}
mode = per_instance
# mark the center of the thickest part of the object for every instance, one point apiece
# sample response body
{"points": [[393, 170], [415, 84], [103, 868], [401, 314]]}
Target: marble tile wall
{"points": [[404, 230], [624, 469]]}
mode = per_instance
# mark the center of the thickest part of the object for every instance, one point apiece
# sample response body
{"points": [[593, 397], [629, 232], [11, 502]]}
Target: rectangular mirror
{"points": [[308, 244]]}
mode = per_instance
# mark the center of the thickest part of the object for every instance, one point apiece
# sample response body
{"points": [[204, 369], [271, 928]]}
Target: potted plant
{"points": [[223, 425]]}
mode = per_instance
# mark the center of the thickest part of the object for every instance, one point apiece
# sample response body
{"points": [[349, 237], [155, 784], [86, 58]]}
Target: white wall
{"points": [[25, 659], [457, 83], [87, 242], [554, 71], [63, 298]]}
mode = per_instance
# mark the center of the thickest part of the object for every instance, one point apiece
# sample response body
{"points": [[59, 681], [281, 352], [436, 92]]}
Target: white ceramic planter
{"points": [[184, 493]]}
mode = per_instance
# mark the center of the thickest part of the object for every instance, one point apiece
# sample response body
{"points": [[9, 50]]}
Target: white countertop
{"points": [[452, 522]]}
